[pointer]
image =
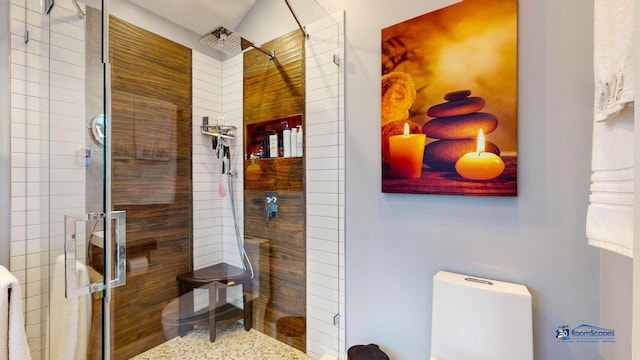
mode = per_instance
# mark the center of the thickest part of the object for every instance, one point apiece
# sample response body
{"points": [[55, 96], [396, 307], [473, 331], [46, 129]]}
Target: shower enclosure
{"points": [[114, 186]]}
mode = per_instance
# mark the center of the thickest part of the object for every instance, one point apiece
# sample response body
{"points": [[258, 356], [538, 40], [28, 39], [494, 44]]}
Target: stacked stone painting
{"points": [[449, 101]]}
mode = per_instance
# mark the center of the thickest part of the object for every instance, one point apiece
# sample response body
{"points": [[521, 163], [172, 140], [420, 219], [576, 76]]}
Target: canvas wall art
{"points": [[449, 101]]}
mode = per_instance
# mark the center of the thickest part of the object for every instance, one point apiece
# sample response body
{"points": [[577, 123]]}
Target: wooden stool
{"points": [[215, 279]]}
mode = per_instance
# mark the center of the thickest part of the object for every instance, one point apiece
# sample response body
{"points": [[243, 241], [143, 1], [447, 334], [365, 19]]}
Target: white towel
{"points": [[610, 212], [69, 319], [612, 56], [13, 338]]}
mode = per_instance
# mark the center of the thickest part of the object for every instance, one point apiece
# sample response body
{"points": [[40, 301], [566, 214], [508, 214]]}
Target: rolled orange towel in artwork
{"points": [[398, 94]]}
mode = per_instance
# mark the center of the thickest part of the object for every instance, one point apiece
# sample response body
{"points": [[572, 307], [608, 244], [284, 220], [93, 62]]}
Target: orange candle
{"points": [[405, 154], [480, 165]]}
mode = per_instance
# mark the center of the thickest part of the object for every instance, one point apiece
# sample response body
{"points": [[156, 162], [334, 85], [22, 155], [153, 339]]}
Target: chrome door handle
{"points": [[121, 248], [72, 289]]}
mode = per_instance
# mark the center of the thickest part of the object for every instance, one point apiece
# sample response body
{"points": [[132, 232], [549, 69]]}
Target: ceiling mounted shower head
{"points": [[229, 42], [225, 40]]}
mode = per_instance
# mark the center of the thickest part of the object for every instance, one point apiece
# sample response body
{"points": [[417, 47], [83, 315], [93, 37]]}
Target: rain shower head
{"points": [[225, 40], [229, 42]]}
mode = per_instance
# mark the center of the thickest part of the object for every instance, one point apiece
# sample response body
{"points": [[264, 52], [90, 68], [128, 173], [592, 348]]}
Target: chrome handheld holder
{"points": [[221, 131]]}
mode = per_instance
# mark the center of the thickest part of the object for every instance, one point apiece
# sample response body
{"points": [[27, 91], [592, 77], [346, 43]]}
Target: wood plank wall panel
{"points": [[151, 86], [275, 89]]}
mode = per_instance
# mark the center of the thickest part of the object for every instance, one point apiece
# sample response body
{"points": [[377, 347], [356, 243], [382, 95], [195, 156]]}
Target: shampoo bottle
{"points": [[273, 145], [286, 139], [299, 145], [294, 142]]}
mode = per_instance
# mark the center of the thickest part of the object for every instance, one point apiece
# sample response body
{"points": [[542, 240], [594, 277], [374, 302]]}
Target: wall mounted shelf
{"points": [[221, 131]]}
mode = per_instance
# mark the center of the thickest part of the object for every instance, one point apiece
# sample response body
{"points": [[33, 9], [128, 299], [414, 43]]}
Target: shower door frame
{"points": [[107, 344], [112, 272]]}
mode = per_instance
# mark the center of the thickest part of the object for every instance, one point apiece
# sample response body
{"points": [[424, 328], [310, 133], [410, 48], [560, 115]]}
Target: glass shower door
{"points": [[87, 239], [126, 180]]}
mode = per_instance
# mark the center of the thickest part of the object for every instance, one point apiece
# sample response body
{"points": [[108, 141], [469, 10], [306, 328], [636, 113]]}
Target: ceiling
{"points": [[209, 14]]}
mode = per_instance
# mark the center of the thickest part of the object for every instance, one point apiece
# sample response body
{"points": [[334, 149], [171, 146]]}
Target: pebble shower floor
{"points": [[232, 343]]}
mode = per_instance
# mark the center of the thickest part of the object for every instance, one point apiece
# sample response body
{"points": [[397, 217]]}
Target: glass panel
{"points": [[5, 131], [72, 139], [324, 171], [151, 178], [303, 236]]}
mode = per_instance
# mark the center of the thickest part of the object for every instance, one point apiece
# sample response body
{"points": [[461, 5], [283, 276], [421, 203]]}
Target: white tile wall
{"points": [[214, 230], [324, 156], [19, 196], [47, 133], [232, 106], [207, 206]]}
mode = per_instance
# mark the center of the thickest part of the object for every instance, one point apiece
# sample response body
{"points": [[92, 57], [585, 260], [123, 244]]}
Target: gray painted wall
{"points": [[616, 284], [395, 243], [5, 135]]}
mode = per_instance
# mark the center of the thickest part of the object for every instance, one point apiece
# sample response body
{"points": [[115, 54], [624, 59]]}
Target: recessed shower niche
{"points": [[262, 138]]}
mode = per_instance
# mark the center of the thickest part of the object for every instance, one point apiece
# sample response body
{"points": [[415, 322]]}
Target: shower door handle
{"points": [[73, 289]]}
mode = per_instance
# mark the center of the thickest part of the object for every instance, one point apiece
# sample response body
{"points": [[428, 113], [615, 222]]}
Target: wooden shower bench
{"points": [[215, 279]]}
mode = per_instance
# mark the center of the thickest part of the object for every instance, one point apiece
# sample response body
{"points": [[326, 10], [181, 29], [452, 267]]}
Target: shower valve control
{"points": [[270, 205]]}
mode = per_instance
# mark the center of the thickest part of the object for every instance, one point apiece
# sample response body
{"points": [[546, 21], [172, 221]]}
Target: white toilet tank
{"points": [[480, 319]]}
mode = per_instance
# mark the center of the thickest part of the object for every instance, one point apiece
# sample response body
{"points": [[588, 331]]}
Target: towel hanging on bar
{"points": [[613, 56], [609, 222], [13, 338]]}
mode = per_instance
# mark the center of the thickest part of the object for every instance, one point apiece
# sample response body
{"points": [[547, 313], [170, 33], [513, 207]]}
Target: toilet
{"points": [[480, 319]]}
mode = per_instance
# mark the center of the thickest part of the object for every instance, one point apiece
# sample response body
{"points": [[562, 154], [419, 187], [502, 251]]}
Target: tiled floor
{"points": [[232, 343]]}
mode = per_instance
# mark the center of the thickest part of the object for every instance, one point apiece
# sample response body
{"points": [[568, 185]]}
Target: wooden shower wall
{"points": [[275, 89], [151, 87]]}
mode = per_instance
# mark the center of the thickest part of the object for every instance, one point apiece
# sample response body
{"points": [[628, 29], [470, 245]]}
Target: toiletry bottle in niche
{"points": [[264, 141], [299, 145], [273, 144], [255, 144], [294, 142], [280, 144], [286, 140]]}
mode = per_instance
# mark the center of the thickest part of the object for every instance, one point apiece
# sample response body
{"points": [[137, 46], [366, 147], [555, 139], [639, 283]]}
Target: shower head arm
{"points": [[230, 43], [296, 18], [81, 14], [271, 54]]}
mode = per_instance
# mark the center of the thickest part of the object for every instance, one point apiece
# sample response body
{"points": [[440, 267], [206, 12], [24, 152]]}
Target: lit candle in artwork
{"points": [[405, 154], [480, 165]]}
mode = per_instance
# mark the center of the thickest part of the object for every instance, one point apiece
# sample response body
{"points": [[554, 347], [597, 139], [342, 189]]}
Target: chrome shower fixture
{"points": [[81, 14], [230, 43], [219, 130]]}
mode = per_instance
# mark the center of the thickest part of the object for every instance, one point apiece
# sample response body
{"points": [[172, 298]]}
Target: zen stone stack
{"points": [[456, 125]]}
